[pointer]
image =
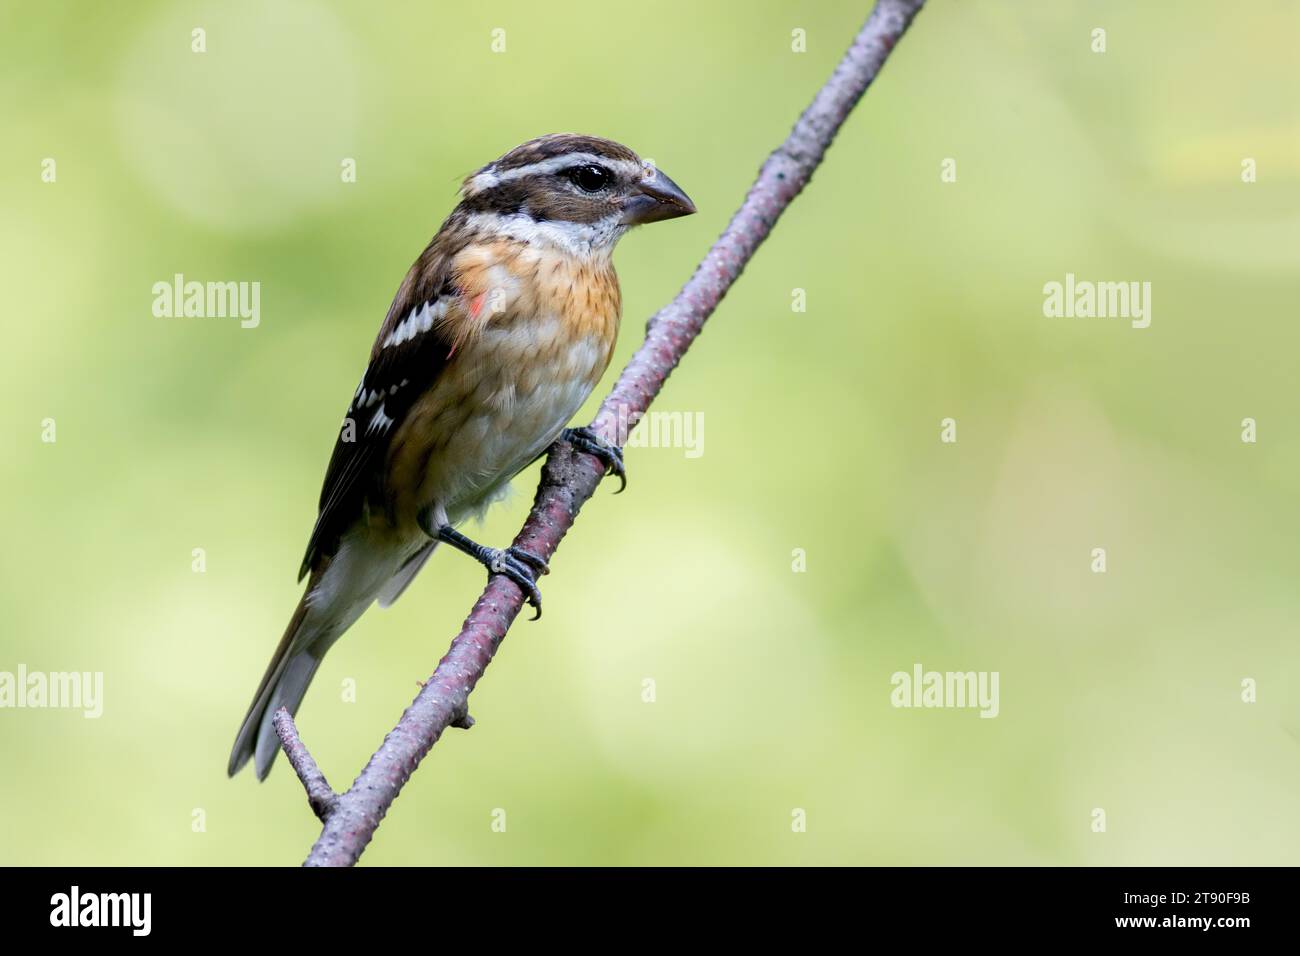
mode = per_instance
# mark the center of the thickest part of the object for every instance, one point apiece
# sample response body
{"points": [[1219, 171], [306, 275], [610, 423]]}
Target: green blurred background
{"points": [[1119, 691]]}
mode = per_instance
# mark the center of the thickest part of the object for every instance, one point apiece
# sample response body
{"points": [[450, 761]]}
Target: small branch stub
{"points": [[320, 796]]}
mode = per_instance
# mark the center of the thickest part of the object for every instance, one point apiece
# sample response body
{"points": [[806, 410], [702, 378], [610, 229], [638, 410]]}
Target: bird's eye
{"points": [[590, 178]]}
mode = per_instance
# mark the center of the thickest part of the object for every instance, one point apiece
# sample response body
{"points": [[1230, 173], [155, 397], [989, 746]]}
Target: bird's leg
{"points": [[521, 566], [586, 440]]}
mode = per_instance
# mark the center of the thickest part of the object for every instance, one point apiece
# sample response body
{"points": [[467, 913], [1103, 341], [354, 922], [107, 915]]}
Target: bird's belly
{"points": [[495, 410]]}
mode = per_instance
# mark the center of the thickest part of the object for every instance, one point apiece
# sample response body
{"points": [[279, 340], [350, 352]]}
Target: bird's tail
{"points": [[305, 641], [338, 592]]}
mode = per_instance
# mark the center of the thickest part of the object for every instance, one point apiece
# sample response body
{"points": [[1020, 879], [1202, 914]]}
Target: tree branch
{"points": [[569, 478], [320, 795]]}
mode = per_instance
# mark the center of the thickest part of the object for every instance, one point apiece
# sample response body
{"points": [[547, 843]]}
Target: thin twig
{"points": [[320, 795], [569, 478]]}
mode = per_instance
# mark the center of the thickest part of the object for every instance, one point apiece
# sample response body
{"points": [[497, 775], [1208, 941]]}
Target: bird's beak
{"points": [[655, 198]]}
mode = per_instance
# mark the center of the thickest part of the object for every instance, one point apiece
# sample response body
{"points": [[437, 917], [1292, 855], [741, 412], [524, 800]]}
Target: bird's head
{"points": [[581, 193]]}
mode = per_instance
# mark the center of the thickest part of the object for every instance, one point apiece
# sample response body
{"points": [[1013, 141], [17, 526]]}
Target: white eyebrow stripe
{"points": [[490, 177], [420, 320]]}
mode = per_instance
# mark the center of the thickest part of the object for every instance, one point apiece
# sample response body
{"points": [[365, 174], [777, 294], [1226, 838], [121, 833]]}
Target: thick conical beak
{"points": [[656, 197]]}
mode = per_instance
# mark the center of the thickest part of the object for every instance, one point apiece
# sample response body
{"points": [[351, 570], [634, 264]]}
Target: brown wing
{"points": [[408, 355]]}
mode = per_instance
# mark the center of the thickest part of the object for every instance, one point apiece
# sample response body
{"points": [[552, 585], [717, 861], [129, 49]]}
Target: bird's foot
{"points": [[519, 565], [522, 567], [586, 440]]}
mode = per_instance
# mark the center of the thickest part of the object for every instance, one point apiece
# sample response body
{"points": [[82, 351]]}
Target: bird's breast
{"points": [[511, 385]]}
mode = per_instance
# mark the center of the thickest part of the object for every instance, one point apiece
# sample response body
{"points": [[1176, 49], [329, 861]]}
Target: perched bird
{"points": [[495, 338]]}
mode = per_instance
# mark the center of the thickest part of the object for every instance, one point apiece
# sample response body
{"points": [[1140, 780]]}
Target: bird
{"points": [[498, 333]]}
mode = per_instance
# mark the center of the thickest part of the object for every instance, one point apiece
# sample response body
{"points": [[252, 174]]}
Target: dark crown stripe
{"points": [[557, 144]]}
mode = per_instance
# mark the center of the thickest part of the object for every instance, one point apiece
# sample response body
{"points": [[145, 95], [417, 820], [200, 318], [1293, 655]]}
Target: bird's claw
{"points": [[518, 564], [586, 440], [521, 567]]}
